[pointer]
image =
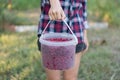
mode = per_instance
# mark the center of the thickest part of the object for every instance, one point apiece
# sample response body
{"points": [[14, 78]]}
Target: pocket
{"points": [[38, 42], [80, 47], [39, 45]]}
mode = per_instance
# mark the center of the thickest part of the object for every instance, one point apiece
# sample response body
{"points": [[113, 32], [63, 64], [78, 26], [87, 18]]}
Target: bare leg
{"points": [[72, 74], [53, 74]]}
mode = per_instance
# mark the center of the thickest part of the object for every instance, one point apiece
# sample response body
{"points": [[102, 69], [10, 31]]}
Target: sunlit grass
{"points": [[18, 55]]}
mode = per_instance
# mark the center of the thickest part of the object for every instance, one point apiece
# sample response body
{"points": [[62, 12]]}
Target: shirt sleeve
{"points": [[84, 8]]}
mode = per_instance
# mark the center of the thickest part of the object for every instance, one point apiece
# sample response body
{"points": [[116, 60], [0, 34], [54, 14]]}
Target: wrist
{"points": [[85, 33], [55, 3]]}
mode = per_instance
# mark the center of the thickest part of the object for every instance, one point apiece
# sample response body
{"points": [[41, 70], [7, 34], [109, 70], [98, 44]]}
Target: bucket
{"points": [[58, 50]]}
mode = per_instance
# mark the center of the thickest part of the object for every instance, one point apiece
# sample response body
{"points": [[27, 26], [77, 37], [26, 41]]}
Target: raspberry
{"points": [[58, 39], [58, 57]]}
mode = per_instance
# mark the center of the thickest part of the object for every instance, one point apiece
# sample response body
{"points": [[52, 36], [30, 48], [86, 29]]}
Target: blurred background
{"points": [[19, 56]]}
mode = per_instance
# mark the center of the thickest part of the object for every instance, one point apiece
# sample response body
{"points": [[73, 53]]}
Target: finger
{"points": [[87, 46], [50, 16], [53, 15], [63, 16], [59, 17]]}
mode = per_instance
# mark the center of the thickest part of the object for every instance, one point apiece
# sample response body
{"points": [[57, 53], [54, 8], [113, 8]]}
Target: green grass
{"points": [[99, 9], [99, 64], [20, 59], [25, 4], [104, 10], [15, 15]]}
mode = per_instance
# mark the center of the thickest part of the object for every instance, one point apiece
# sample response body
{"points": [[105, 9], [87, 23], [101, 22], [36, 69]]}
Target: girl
{"points": [[74, 13]]}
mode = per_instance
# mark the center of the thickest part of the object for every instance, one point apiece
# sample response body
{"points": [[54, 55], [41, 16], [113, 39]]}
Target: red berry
{"points": [[58, 39]]}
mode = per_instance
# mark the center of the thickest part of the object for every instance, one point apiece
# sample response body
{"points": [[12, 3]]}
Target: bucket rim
{"points": [[51, 43]]}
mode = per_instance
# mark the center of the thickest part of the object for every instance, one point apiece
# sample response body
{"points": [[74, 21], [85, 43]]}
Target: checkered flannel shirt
{"points": [[76, 17]]}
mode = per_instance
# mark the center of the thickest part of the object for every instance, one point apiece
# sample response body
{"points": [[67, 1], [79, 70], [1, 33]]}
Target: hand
{"points": [[86, 41], [56, 12]]}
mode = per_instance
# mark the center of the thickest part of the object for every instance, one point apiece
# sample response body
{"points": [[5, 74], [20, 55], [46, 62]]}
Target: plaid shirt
{"points": [[76, 17]]}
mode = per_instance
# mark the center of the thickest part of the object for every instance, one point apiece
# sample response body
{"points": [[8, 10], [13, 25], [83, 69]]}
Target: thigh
{"points": [[71, 74], [53, 74]]}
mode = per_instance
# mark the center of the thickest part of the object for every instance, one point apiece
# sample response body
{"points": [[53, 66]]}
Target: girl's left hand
{"points": [[86, 41]]}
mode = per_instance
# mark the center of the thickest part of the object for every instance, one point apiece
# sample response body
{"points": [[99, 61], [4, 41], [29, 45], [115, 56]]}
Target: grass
{"points": [[102, 12], [18, 15], [18, 55], [21, 4], [20, 59]]}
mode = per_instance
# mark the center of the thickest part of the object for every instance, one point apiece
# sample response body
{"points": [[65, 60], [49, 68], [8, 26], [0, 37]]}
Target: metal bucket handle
{"points": [[76, 40]]}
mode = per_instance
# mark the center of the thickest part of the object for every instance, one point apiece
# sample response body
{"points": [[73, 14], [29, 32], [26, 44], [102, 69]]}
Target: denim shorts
{"points": [[79, 47]]}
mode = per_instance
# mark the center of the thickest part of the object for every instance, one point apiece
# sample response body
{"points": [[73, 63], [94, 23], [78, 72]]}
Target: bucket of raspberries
{"points": [[58, 50]]}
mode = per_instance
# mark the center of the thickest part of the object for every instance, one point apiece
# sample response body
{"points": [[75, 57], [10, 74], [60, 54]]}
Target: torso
{"points": [[74, 14]]}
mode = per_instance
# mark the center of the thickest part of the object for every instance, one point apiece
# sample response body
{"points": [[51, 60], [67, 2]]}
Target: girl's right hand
{"points": [[56, 12]]}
